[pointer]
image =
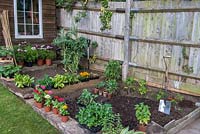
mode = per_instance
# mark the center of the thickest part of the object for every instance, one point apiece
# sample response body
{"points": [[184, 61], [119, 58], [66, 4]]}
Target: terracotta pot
{"points": [[64, 118], [55, 110], [48, 62], [95, 90], [47, 109], [20, 63], [39, 105], [142, 128], [105, 93], [40, 62], [109, 95]]}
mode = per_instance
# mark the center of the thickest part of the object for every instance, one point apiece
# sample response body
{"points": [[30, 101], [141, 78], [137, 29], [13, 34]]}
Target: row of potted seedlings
{"points": [[55, 104]]}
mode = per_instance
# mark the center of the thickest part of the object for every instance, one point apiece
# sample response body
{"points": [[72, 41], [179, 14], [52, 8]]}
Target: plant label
{"points": [[164, 107]]}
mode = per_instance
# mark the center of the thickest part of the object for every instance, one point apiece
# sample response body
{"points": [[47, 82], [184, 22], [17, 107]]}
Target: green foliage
{"points": [[129, 83], [113, 70], [101, 84], [63, 109], [86, 98], [67, 4], [38, 95], [142, 113], [59, 81], [41, 54], [22, 80], [55, 103], [79, 16], [161, 95], [5, 52], [71, 78], [105, 17], [111, 86], [49, 54], [48, 100], [73, 48], [30, 54], [8, 71], [94, 114], [142, 89], [46, 81], [126, 131], [179, 97], [19, 54]]}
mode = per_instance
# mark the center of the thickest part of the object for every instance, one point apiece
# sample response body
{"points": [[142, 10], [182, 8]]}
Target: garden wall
{"points": [[158, 28]]}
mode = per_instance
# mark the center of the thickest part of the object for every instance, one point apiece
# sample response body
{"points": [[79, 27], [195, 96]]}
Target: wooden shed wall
{"points": [[170, 28], [49, 22]]}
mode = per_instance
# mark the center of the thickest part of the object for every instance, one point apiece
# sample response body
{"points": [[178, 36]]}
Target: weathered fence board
{"points": [[159, 28]]}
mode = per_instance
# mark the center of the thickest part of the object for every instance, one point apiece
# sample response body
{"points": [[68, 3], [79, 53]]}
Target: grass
{"points": [[16, 117]]}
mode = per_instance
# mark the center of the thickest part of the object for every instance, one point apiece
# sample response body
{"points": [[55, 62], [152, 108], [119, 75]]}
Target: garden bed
{"points": [[124, 105]]}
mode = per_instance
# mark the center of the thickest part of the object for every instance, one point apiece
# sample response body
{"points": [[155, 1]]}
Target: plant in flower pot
{"points": [[38, 97], [46, 81], [143, 115], [86, 98], [41, 57], [55, 104], [99, 88], [48, 102], [129, 84], [111, 87], [59, 81], [19, 56], [64, 113], [84, 76], [8, 71], [50, 55], [30, 55], [5, 53]]}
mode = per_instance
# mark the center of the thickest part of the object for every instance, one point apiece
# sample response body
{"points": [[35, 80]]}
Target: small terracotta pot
{"points": [[142, 128], [95, 90], [40, 62], [39, 105], [47, 109], [109, 95], [48, 62], [20, 63], [55, 110], [64, 118], [105, 93]]}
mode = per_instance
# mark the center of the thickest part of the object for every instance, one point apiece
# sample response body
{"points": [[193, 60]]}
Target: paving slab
{"points": [[193, 128]]}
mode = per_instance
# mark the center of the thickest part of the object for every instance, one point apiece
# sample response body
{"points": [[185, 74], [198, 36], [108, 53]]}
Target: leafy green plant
{"points": [[142, 89], [30, 54], [71, 78], [59, 81], [179, 97], [111, 86], [63, 109], [38, 95], [129, 83], [101, 85], [105, 17], [41, 54], [49, 54], [55, 103], [86, 98], [161, 95], [22, 80], [48, 100], [142, 113], [94, 114], [113, 70], [5, 52], [46, 81], [8, 71]]}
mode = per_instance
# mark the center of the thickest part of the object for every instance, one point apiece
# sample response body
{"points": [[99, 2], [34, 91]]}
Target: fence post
{"points": [[125, 65]]}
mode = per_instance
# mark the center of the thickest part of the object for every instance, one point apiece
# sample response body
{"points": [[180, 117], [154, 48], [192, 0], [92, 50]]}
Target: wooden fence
{"points": [[158, 28]]}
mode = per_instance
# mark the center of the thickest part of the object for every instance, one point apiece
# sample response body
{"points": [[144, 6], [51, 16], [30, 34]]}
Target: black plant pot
{"points": [[32, 85], [49, 87], [92, 129], [29, 64]]}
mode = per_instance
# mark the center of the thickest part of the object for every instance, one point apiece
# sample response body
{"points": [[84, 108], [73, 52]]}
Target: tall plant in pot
{"points": [[50, 55], [41, 57], [64, 113], [48, 102], [143, 116], [55, 104], [19, 56], [111, 87], [38, 97], [30, 55]]}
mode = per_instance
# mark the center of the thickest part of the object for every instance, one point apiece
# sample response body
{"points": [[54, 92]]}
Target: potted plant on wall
{"points": [[38, 97], [143, 116], [55, 104], [47, 103], [64, 113], [30, 55], [41, 57], [50, 55]]}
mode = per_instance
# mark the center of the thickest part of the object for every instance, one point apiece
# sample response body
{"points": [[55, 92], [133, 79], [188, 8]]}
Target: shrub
{"points": [[113, 70], [142, 113]]}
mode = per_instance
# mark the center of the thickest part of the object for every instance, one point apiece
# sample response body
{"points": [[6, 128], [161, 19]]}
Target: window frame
{"points": [[17, 35]]}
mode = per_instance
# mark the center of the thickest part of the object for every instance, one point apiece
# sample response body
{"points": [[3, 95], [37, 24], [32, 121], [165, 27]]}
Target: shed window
{"points": [[28, 18]]}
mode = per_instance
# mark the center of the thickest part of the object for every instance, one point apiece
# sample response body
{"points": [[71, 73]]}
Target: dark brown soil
{"points": [[124, 105]]}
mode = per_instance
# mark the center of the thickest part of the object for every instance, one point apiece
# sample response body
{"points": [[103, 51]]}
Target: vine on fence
{"points": [[105, 15]]}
